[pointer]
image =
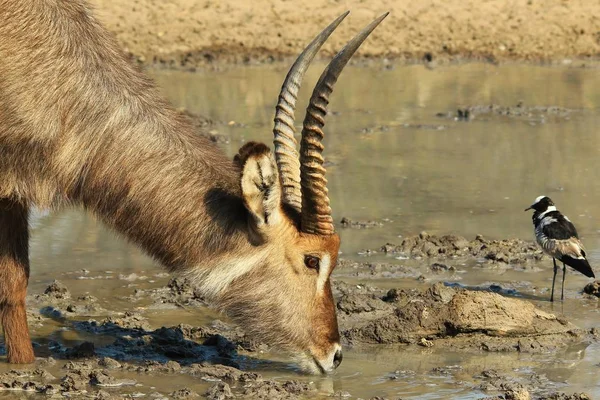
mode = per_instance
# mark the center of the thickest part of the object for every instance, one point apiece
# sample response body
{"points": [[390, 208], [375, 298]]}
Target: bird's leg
{"points": [[562, 294], [553, 279]]}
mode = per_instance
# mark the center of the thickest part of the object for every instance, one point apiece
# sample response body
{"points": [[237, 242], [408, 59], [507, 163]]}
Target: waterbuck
{"points": [[80, 125]]}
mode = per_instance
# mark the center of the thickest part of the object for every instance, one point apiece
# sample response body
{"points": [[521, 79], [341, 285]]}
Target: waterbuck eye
{"points": [[312, 262]]}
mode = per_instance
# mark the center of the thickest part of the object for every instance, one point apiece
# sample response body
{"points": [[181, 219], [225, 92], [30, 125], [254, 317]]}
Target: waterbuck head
{"points": [[286, 298]]}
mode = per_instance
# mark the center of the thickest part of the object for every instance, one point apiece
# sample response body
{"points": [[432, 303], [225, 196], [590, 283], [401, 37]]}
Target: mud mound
{"points": [[355, 224], [179, 292], [592, 288], [57, 302], [440, 316], [519, 111], [135, 341], [91, 378], [375, 269], [424, 245], [522, 394], [457, 318]]}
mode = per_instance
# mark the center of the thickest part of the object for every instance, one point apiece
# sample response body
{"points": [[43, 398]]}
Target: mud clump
{"points": [[76, 380], [88, 377], [219, 391], [179, 292], [363, 304], [253, 385], [185, 393], [83, 350], [209, 371], [456, 318], [523, 394], [507, 251], [134, 342], [57, 302], [592, 288], [538, 114], [184, 292], [439, 268], [275, 390], [375, 269], [349, 223], [223, 336], [33, 380], [134, 337], [57, 290]]}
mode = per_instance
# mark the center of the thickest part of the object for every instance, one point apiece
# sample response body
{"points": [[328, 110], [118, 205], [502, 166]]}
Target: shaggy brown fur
{"points": [[80, 125]]}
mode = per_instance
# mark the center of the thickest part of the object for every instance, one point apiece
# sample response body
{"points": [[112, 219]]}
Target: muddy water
{"points": [[397, 157]]}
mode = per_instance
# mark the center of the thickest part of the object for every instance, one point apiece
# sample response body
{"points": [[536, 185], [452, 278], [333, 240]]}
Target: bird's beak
{"points": [[528, 208]]}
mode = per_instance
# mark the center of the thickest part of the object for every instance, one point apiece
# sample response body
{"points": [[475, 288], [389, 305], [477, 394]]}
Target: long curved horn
{"points": [[316, 212], [284, 142]]}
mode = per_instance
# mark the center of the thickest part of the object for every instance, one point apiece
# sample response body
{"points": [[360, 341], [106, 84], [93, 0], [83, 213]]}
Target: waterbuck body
{"points": [[80, 125]]}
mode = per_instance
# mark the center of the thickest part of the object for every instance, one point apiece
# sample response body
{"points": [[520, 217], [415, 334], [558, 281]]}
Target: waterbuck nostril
{"points": [[337, 358]]}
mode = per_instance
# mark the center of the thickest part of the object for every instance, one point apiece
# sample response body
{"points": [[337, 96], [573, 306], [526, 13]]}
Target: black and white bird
{"points": [[558, 238]]}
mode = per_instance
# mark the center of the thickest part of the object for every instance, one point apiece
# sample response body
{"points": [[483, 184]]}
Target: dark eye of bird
{"points": [[312, 262]]}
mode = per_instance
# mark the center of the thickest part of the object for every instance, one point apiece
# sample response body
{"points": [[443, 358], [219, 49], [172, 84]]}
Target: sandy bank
{"points": [[197, 32]]}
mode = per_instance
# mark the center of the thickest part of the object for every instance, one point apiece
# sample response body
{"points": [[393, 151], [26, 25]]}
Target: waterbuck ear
{"points": [[261, 189]]}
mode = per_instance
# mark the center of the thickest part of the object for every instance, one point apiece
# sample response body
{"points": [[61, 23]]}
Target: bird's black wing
{"points": [[578, 264], [558, 226]]}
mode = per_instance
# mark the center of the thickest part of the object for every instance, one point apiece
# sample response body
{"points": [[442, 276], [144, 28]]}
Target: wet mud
{"points": [[592, 289], [86, 368], [457, 319], [448, 247], [97, 379], [493, 381], [359, 224], [121, 346], [520, 111]]}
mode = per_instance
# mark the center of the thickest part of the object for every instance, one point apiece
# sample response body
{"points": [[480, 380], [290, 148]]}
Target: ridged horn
{"points": [[316, 212], [284, 142]]}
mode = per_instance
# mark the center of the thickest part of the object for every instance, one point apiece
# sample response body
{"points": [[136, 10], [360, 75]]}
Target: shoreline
{"points": [[226, 61]]}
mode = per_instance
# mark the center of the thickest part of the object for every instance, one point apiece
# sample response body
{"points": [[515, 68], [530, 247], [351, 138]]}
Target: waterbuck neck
{"points": [[87, 127], [177, 198]]}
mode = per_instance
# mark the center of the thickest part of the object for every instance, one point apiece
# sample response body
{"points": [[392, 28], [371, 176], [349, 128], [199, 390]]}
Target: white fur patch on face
{"points": [[324, 270], [537, 199], [215, 279]]}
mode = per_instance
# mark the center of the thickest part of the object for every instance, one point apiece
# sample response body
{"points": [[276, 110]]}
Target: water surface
{"points": [[392, 159]]}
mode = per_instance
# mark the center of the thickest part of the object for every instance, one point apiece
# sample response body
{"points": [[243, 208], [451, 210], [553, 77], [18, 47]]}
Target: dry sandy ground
{"points": [[192, 32]]}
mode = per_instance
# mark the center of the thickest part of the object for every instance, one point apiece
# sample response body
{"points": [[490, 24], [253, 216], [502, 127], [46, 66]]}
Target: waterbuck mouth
{"points": [[319, 367], [324, 366], [310, 364]]}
